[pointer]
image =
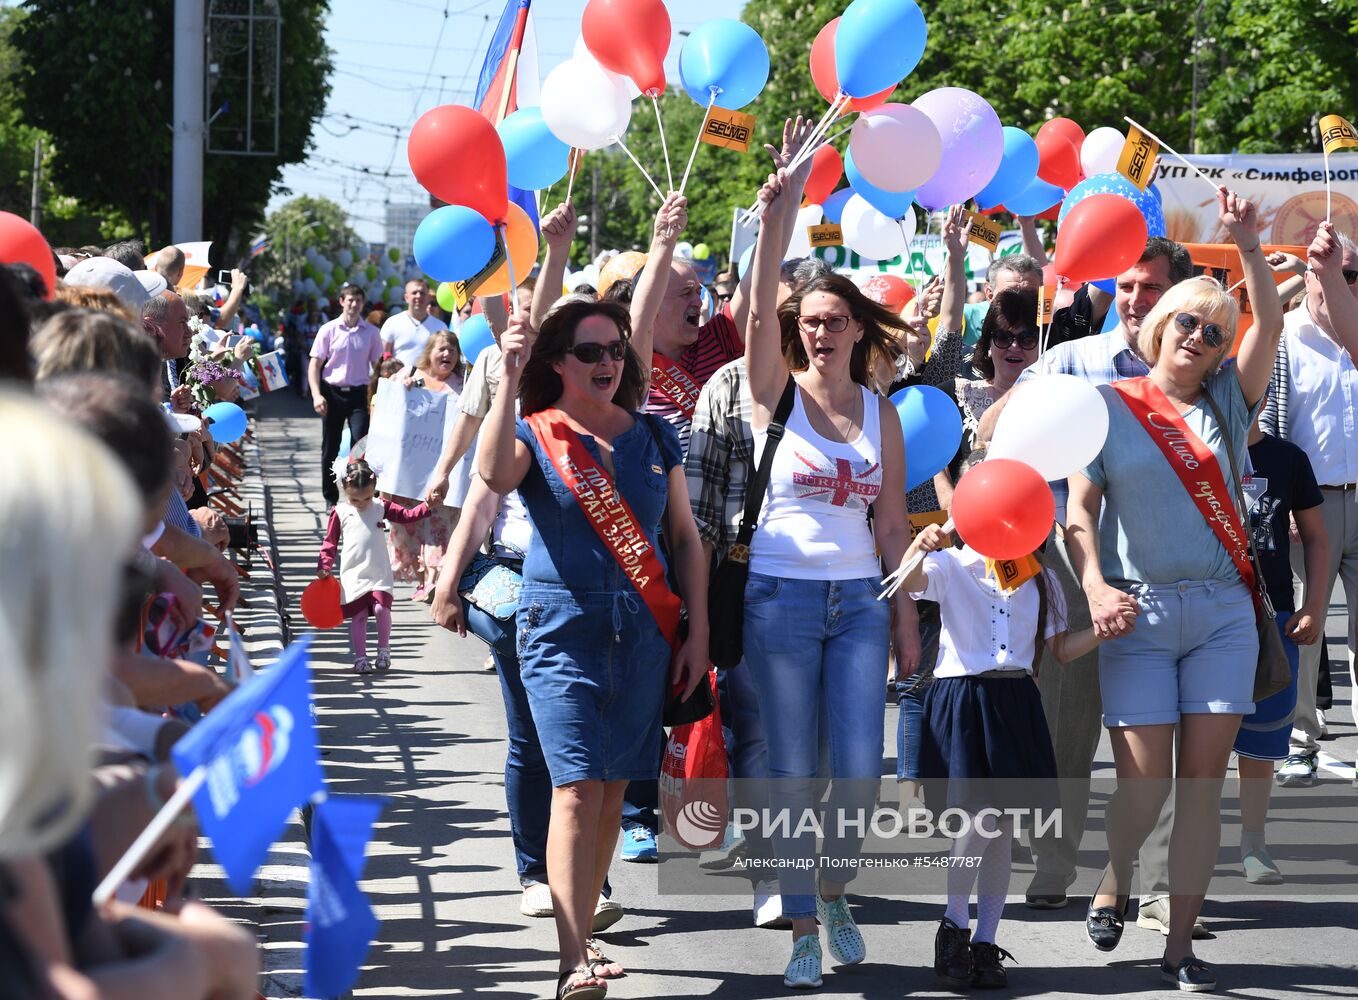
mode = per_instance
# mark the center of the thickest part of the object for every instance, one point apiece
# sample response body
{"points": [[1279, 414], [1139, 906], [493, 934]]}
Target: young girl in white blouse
{"points": [[985, 746]]}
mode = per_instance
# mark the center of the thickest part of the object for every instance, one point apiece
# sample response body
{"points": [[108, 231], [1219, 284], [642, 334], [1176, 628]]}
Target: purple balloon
{"points": [[973, 145]]}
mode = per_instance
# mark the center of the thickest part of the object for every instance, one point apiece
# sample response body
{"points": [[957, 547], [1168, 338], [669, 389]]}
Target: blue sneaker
{"points": [[638, 844]]}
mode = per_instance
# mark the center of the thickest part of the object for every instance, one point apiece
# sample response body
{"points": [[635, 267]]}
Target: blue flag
{"points": [[340, 924], [258, 751]]}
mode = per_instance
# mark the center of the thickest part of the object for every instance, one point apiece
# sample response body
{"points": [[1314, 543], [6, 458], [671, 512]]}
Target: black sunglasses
{"points": [[1005, 339], [592, 354], [1212, 335]]}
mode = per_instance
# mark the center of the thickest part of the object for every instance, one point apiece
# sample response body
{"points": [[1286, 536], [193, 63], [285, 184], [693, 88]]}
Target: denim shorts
{"points": [[1193, 652], [595, 668]]}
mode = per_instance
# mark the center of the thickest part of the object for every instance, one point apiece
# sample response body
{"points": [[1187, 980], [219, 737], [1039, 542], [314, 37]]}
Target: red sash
{"points": [[610, 517], [675, 384], [1194, 464]]}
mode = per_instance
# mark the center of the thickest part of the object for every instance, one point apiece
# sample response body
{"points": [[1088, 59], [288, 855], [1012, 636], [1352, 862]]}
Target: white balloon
{"points": [[800, 244], [1101, 151], [870, 234], [584, 106], [582, 52], [896, 147], [1055, 423]]}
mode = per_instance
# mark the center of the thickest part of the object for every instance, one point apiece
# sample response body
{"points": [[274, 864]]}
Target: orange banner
{"points": [[1222, 261]]}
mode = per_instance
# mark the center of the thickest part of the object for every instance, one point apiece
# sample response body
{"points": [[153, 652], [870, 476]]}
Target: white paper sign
{"points": [[406, 436]]}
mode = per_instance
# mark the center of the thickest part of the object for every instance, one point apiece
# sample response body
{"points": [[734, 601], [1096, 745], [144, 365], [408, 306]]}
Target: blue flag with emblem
{"points": [[340, 924], [257, 751]]}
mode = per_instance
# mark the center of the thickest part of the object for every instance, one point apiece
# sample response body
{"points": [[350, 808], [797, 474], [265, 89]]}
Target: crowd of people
{"points": [[114, 555], [575, 549], [609, 453]]}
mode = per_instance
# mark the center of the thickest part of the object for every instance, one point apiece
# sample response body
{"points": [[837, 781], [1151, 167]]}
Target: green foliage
{"points": [[98, 79], [294, 226]]}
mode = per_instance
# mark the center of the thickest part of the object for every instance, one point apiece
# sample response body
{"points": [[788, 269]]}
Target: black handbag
{"points": [[1272, 672], [726, 589]]}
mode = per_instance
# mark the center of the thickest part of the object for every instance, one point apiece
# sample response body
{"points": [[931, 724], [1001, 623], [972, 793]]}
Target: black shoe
{"points": [[986, 971], [1104, 924], [952, 954], [1192, 975]]}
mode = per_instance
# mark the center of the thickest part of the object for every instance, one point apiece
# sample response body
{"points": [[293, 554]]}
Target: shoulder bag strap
{"points": [[759, 482], [1261, 591]]}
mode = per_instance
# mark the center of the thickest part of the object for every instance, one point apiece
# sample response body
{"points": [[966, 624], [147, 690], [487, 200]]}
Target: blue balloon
{"points": [[892, 204], [227, 422], [933, 430], [453, 243], [1109, 285], [1018, 169], [746, 259], [535, 158], [1115, 183], [725, 56], [877, 45], [474, 337], [834, 205], [1036, 199]]}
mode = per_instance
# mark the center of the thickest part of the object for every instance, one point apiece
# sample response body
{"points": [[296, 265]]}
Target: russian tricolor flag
{"points": [[509, 79]]}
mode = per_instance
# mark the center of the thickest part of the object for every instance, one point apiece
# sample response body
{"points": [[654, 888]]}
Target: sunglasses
{"points": [[835, 324], [592, 354], [1005, 339], [1212, 335]]}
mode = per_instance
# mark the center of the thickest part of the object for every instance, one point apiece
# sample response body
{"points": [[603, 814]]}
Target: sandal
{"points": [[569, 985], [597, 958]]}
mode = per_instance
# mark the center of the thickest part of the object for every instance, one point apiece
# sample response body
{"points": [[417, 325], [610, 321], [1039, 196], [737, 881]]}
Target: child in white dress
{"points": [[355, 533]]}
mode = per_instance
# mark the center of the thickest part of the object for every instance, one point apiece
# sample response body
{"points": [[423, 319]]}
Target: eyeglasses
{"points": [[835, 324], [1212, 335], [592, 354], [1005, 339]]}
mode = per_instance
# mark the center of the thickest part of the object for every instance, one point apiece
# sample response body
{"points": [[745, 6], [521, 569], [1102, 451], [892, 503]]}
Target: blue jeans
{"points": [[910, 694], [528, 786], [818, 646]]}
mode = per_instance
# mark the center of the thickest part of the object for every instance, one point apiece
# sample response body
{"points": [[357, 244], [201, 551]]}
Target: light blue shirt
{"points": [[1151, 531]]}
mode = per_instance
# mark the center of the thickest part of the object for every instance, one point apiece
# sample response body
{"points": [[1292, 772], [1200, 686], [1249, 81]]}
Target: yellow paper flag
{"points": [[1011, 574], [1337, 133], [1137, 162]]}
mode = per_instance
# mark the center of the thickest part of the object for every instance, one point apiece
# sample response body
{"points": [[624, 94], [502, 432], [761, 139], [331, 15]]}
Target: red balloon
{"points": [[1102, 236], [1003, 509], [1059, 161], [826, 77], [630, 37], [827, 167], [457, 156], [889, 290], [321, 603], [1067, 130], [21, 243]]}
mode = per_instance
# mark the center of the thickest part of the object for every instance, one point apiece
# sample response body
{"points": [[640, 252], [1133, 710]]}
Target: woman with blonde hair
{"points": [[1155, 535]]}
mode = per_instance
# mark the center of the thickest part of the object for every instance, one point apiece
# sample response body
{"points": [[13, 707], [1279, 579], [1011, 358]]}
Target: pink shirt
{"points": [[349, 353]]}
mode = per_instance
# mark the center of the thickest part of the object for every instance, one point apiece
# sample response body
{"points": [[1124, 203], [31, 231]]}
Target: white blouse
{"points": [[984, 627]]}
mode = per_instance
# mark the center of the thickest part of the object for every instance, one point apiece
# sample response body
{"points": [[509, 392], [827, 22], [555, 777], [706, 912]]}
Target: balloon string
{"points": [[654, 185], [919, 282], [698, 141], [812, 144], [896, 579], [664, 146]]}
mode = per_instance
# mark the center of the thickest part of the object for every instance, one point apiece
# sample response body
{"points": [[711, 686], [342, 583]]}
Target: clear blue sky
{"points": [[396, 59]]}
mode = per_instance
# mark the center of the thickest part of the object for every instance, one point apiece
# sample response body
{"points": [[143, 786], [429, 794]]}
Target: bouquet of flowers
{"points": [[211, 381]]}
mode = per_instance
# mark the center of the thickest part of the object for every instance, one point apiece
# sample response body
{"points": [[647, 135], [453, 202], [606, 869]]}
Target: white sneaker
{"points": [[607, 913], [768, 906], [1298, 771], [842, 934], [803, 972], [536, 900]]}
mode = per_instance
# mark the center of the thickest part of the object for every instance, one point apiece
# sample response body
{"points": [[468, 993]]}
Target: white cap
{"points": [[133, 287]]}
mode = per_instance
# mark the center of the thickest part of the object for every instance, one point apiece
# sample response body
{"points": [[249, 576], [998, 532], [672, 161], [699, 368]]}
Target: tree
{"points": [[294, 226], [99, 77]]}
